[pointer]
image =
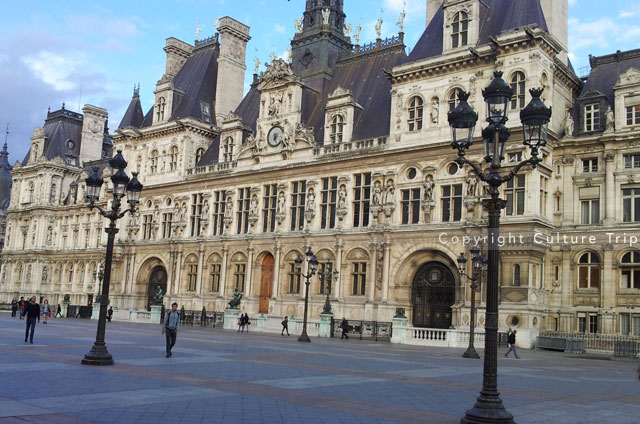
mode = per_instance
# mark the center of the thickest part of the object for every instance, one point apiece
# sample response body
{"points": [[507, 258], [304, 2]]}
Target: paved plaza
{"points": [[220, 376]]}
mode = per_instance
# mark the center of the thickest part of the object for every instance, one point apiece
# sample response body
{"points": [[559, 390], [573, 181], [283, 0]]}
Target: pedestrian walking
{"points": [[285, 326], [46, 311], [511, 339], [241, 323], [170, 327], [14, 308], [110, 313], [345, 329], [32, 311], [58, 312], [21, 305], [247, 323]]}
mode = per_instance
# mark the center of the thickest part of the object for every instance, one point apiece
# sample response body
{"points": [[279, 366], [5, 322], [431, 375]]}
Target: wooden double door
{"points": [[266, 283]]}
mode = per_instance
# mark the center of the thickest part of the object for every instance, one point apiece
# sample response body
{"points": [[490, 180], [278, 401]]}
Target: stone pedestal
{"points": [[399, 330], [95, 313], [156, 312], [262, 323], [65, 307], [231, 317], [325, 325]]}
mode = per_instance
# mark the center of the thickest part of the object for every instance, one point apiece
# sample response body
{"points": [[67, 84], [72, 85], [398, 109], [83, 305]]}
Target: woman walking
{"points": [[46, 311], [285, 326], [241, 323], [246, 322]]}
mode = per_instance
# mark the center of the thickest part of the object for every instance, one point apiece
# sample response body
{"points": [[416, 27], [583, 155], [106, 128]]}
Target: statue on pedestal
{"points": [[156, 300], [235, 300]]}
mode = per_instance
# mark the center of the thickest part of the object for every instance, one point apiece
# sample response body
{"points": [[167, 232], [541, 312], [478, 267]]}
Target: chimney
{"points": [[432, 8], [556, 15]]}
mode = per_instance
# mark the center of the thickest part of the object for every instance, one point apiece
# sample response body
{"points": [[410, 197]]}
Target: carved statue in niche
{"points": [[275, 104], [183, 213], [472, 185], [376, 197], [282, 203], [228, 208], [379, 28], [568, 124], [428, 188], [45, 275], [49, 235], [288, 138], [610, 119], [253, 208], [435, 110], [342, 197], [389, 193], [176, 212], [326, 13], [311, 200], [205, 210]]}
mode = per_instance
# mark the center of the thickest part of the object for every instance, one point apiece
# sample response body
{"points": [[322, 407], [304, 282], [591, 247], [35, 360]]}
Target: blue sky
{"points": [[51, 51]]}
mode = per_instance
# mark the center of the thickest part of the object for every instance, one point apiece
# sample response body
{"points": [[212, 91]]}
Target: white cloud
{"points": [[54, 69], [573, 2], [586, 34], [627, 14], [280, 28]]}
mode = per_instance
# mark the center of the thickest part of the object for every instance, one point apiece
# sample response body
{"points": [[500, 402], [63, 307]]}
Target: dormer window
{"points": [[70, 145], [460, 30], [592, 117], [30, 193], [199, 154], [160, 109], [227, 150], [206, 112], [590, 165], [519, 88], [416, 111], [153, 163], [337, 129], [173, 158], [633, 115]]}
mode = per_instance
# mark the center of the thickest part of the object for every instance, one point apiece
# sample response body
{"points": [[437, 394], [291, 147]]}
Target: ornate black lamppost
{"points": [[98, 355], [535, 119], [99, 275], [312, 266], [479, 262], [325, 277]]}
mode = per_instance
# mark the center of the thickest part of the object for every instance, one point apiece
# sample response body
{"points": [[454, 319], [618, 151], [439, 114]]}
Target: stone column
{"points": [[176, 286], [125, 271], [373, 255], [276, 271], [608, 283], [249, 270], [223, 270], [199, 276], [132, 269], [610, 185], [170, 271], [386, 245], [337, 286]]}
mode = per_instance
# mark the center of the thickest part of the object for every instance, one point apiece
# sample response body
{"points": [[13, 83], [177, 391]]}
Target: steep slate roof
{"points": [[212, 154], [499, 16], [133, 117], [605, 71], [249, 107], [60, 126]]}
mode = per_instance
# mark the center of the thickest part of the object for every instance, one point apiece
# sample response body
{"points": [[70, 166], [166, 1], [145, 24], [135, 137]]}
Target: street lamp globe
{"points": [[462, 262], [497, 96], [94, 183], [462, 121], [134, 187], [298, 263], [313, 264], [535, 121]]}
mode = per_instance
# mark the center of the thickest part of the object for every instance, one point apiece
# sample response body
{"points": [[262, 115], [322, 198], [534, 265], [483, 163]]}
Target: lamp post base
{"points": [[471, 353], [304, 338], [98, 355], [491, 412]]}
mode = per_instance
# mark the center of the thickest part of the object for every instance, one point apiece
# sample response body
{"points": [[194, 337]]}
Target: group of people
{"points": [[243, 323], [22, 304]]}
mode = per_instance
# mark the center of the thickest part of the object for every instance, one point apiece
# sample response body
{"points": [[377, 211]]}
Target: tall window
{"points": [[87, 232], [411, 206], [453, 98], [19, 273], [192, 276], [218, 213], [269, 201], [244, 205], [215, 277], [337, 129], [631, 205], [544, 195], [359, 278], [199, 154], [52, 194], [361, 199], [239, 276], [206, 112], [294, 279], [460, 30], [630, 271], [516, 275], [160, 109], [328, 205], [147, 226], [589, 271], [590, 165], [514, 194], [153, 162], [591, 117], [98, 237], [173, 158], [167, 219], [630, 324], [416, 112], [633, 115], [452, 203], [196, 214], [70, 273], [593, 323], [31, 193], [632, 161], [518, 87], [590, 211], [227, 150], [298, 199]]}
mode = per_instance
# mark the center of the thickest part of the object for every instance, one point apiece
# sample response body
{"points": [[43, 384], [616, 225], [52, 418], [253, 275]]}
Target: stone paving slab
{"points": [[220, 376]]}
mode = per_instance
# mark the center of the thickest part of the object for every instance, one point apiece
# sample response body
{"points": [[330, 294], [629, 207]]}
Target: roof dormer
{"points": [[461, 24]]}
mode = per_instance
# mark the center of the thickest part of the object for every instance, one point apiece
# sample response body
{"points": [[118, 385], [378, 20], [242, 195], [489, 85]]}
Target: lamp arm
{"points": [[123, 213], [533, 161], [102, 212], [461, 160]]}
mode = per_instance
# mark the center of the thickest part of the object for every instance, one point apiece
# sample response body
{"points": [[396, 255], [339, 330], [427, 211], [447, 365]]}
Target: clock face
{"points": [[275, 136]]}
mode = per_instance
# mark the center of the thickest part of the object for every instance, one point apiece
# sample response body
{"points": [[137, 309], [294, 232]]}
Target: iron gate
{"points": [[432, 296]]}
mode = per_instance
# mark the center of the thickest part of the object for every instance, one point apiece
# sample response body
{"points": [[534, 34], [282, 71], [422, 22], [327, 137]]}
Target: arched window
{"points": [[416, 111], [30, 193], [337, 128], [199, 154], [589, 271], [460, 30], [153, 163], [227, 152], [630, 271], [70, 273], [518, 87], [19, 273], [160, 109], [516, 275], [173, 159], [453, 98], [53, 193]]}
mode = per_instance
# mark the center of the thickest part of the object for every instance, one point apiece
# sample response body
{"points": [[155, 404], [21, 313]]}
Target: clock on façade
{"points": [[275, 136]]}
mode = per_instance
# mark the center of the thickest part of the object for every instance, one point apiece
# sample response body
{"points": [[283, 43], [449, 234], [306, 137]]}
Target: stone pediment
{"points": [[278, 73], [592, 93], [340, 92], [629, 77]]}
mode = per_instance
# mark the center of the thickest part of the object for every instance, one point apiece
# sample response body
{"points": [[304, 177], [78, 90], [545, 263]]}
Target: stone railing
{"points": [[352, 146], [212, 169]]}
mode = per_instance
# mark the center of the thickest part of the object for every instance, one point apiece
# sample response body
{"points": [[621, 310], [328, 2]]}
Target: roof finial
{"points": [[62, 105], [198, 29], [6, 136], [136, 90]]}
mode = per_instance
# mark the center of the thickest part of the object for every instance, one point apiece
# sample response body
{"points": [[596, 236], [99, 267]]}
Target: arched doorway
{"points": [[266, 283], [157, 278], [432, 296]]}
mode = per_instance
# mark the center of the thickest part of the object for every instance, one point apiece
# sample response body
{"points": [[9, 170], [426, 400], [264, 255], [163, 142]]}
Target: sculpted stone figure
{"points": [[568, 124], [236, 297], [156, 300], [472, 185], [356, 34], [389, 194], [435, 110], [311, 200], [228, 208], [342, 197], [347, 29], [379, 27], [205, 210], [610, 119], [298, 23], [326, 13], [282, 203], [428, 188], [376, 198], [253, 209], [401, 21]]}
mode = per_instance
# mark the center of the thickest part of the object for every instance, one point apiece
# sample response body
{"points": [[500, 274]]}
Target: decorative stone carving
{"points": [[326, 13], [275, 103], [389, 198], [281, 208], [472, 185], [310, 207], [400, 22], [341, 210], [228, 212], [435, 110], [347, 29], [305, 134], [253, 210], [568, 124], [610, 119], [379, 28], [298, 25], [356, 34]]}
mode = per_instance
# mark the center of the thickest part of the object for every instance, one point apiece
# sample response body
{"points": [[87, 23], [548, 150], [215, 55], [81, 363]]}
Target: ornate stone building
{"points": [[346, 150]]}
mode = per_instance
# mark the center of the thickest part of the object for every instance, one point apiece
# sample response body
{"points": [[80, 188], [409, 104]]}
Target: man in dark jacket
{"points": [[511, 339], [170, 327], [32, 311], [14, 308], [345, 329], [21, 305], [110, 313]]}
